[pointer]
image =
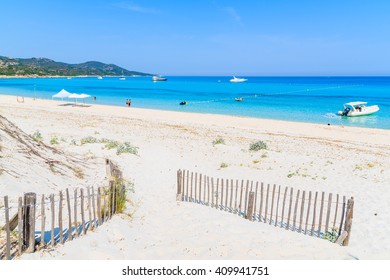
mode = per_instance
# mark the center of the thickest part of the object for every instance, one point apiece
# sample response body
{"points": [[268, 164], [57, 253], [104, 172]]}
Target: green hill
{"points": [[47, 67]]}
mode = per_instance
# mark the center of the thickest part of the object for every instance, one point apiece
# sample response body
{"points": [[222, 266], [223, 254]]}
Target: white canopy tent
{"points": [[62, 94], [78, 96]]}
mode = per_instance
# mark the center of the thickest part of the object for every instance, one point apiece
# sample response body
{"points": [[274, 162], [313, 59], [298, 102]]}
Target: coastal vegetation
{"points": [[257, 146], [219, 141], [41, 67]]}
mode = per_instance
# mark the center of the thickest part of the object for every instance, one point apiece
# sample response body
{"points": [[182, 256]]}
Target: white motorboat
{"points": [[158, 79], [358, 108], [238, 80], [100, 78]]}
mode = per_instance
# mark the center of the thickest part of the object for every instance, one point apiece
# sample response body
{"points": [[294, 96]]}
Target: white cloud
{"points": [[233, 14], [136, 8]]}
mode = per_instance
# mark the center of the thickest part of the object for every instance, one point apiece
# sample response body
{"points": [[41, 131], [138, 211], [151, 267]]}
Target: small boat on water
{"points": [[183, 103], [100, 78], [358, 108], [122, 78], [239, 99], [238, 80], [158, 79]]}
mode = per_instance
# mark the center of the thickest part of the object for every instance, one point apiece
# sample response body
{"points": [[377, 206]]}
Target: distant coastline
{"points": [[45, 67], [58, 76]]}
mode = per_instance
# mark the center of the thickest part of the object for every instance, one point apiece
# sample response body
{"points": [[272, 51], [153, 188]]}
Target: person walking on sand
{"points": [[127, 103]]}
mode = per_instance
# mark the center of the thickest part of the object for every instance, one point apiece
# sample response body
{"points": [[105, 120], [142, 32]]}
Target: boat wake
{"points": [[331, 116]]}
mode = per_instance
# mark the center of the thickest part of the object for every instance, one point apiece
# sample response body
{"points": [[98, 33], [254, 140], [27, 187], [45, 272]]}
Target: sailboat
{"points": [[122, 78]]}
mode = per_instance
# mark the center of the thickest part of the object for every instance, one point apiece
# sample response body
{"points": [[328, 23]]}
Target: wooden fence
{"points": [[326, 216], [44, 222]]}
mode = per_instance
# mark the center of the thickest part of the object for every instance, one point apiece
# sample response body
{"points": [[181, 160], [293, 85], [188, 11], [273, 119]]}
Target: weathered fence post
{"points": [[82, 211], [8, 245], [30, 200], [20, 225], [43, 218], [348, 220], [60, 218], [76, 227], [52, 219], [249, 212], [69, 215], [179, 186], [99, 213], [108, 168], [112, 197]]}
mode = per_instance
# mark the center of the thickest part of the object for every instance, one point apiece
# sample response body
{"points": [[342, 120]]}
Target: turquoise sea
{"points": [[302, 99]]}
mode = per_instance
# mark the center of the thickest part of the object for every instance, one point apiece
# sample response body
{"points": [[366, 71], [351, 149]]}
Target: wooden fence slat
{"points": [[277, 208], [246, 198], [52, 219], [69, 214], [7, 229], [188, 180], [106, 213], [284, 204], [89, 208], [212, 192], [231, 196], [348, 221], [192, 178], [99, 208], [20, 225], [308, 212], [222, 185], [29, 221], [217, 195], [328, 213], [113, 202], [240, 204], [261, 200], [82, 211], [204, 189], [43, 218], [272, 204], [93, 208], [295, 211], [342, 215], [335, 213], [250, 206], [60, 218], [266, 205], [289, 209], [196, 183], [314, 214], [255, 210], [235, 198], [208, 191], [227, 194], [200, 188], [183, 184], [321, 211], [302, 210], [76, 227]]}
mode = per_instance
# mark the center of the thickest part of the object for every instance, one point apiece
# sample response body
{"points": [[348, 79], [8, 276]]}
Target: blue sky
{"points": [[205, 37]]}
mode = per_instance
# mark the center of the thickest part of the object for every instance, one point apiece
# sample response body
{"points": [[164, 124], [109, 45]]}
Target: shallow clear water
{"points": [[306, 99]]}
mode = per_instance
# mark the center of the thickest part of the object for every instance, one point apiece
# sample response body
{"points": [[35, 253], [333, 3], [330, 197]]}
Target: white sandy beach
{"points": [[344, 160]]}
